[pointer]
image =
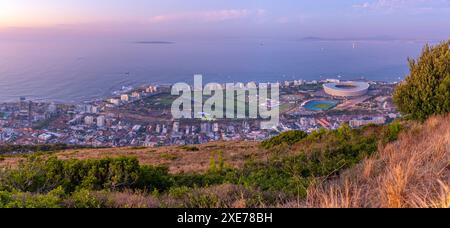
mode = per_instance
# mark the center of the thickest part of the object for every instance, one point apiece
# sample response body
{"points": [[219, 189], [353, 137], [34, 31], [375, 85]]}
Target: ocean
{"points": [[77, 71]]}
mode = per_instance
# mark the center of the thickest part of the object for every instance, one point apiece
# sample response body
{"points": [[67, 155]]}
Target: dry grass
{"points": [[129, 199], [224, 196], [178, 159], [411, 172], [218, 196]]}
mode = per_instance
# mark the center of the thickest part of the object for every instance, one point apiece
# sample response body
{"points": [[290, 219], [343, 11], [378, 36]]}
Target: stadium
{"points": [[346, 89]]}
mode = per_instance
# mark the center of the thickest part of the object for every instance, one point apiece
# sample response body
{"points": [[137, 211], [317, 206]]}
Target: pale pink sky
{"points": [[346, 18]]}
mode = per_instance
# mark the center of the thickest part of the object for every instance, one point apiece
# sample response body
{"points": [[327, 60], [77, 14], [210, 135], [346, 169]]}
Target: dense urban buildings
{"points": [[142, 117]]}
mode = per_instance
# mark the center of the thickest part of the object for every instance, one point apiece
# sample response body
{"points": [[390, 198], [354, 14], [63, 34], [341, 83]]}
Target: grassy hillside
{"points": [[411, 172], [404, 164], [179, 159]]}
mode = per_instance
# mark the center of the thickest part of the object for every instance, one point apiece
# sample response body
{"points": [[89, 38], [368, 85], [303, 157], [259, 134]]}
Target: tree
{"points": [[426, 90]]}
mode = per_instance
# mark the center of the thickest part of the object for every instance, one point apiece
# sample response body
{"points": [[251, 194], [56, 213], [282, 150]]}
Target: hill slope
{"points": [[369, 167], [411, 172], [179, 159]]}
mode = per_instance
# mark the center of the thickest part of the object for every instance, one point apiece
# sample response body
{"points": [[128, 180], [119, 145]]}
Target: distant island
{"points": [[374, 38], [153, 42]]}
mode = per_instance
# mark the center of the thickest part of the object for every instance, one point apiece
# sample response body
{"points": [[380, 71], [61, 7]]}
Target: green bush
{"points": [[391, 132], [323, 153], [53, 199], [426, 90], [190, 148], [154, 178], [179, 192], [39, 175], [84, 198], [43, 175], [224, 196], [168, 156], [216, 162], [289, 137], [202, 201]]}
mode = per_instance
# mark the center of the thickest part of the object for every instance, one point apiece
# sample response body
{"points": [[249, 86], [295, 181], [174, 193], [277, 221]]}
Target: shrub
{"points": [[154, 178], [426, 90], [190, 148], [84, 199], [129, 199], [52, 199], [168, 156], [391, 132], [43, 175], [289, 137], [216, 162], [272, 176], [178, 192], [321, 154], [224, 196], [138, 147]]}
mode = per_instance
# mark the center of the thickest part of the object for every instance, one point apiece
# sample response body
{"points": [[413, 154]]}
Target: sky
{"points": [[171, 19]]}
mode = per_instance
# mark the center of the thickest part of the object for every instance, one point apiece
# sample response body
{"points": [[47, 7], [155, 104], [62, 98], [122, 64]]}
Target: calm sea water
{"points": [[79, 71]]}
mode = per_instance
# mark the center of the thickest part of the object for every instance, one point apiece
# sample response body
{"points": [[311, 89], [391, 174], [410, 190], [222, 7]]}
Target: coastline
{"points": [[127, 89]]}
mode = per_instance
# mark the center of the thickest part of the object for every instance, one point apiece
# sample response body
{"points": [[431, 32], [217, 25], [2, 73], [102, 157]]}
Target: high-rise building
{"points": [[205, 127], [87, 108], [124, 97], [100, 121], [30, 114], [23, 109], [176, 126], [94, 109], [88, 120], [52, 108], [151, 89], [114, 101], [23, 104], [136, 95], [216, 127]]}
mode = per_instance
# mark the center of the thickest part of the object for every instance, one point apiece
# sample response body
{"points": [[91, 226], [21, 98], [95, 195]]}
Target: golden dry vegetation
{"points": [[414, 171]]}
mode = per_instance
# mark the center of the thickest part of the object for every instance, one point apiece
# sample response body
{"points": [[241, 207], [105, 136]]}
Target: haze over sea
{"points": [[76, 71]]}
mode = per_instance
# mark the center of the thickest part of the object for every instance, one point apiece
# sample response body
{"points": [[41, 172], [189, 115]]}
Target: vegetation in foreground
{"points": [[412, 172], [377, 166], [284, 176]]}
